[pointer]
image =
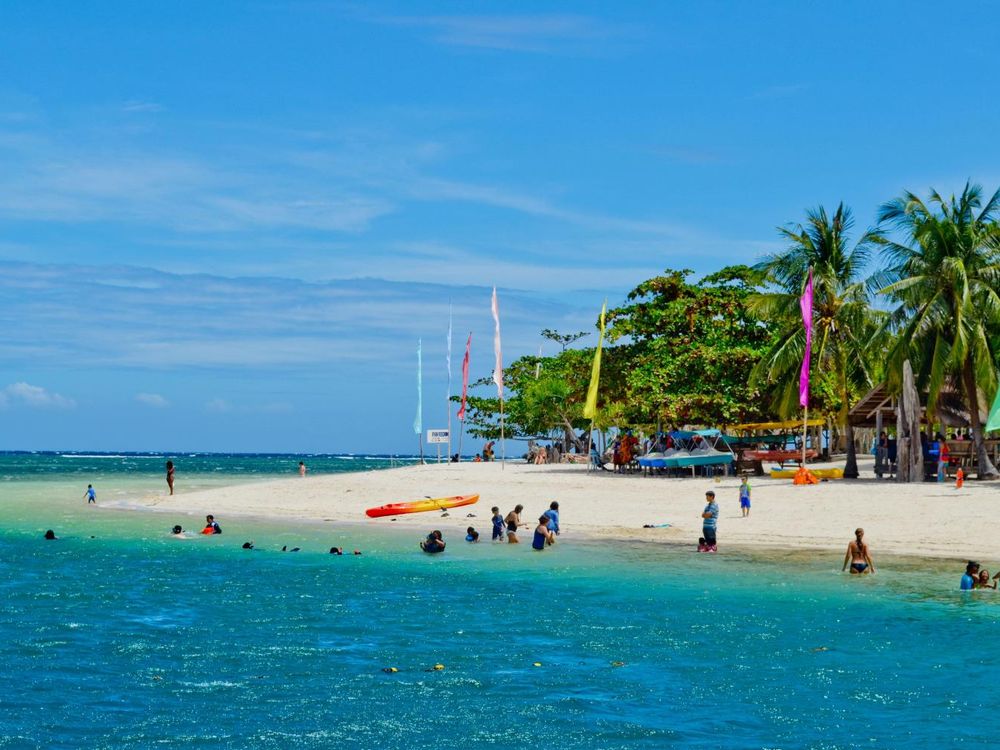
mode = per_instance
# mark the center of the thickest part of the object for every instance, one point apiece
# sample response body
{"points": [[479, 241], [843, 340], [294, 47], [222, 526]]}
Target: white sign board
{"points": [[437, 436]]}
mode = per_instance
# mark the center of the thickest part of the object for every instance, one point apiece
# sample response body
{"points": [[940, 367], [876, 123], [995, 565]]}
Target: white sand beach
{"points": [[923, 519]]}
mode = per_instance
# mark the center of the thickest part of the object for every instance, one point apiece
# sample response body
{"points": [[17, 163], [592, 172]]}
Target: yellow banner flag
{"points": [[590, 408]]}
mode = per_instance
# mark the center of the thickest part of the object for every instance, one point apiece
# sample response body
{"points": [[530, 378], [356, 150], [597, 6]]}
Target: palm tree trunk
{"points": [[985, 467], [851, 467]]}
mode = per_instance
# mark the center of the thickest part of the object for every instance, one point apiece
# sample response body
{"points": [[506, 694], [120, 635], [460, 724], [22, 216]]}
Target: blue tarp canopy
{"points": [[685, 435]]}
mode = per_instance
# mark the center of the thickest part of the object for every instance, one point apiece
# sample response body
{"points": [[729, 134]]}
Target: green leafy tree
{"points": [[844, 321], [944, 279], [686, 350], [563, 339]]}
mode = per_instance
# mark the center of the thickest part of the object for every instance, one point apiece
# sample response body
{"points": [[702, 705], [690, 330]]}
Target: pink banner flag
{"points": [[465, 379], [806, 305], [498, 368]]}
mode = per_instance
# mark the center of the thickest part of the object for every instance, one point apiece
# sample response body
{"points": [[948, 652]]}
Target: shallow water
{"points": [[133, 639]]}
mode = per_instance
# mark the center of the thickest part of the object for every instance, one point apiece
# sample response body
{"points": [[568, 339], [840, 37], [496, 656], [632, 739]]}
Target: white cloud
{"points": [[517, 33], [137, 105], [152, 399], [218, 406], [34, 396]]}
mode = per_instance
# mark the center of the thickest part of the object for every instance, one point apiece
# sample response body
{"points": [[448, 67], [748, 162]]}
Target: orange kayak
{"points": [[421, 506]]}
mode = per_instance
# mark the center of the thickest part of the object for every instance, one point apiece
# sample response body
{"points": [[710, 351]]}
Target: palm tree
{"points": [[945, 281], [843, 318]]}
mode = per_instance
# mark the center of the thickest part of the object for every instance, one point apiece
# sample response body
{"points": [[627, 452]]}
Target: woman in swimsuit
{"points": [[857, 555], [543, 536], [170, 476], [513, 521]]}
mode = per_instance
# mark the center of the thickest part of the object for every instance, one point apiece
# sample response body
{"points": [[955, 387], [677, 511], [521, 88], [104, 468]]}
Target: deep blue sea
{"points": [[117, 636]]}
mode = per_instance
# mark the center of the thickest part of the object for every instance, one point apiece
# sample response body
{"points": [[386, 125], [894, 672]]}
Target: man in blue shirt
{"points": [[553, 515], [710, 517], [969, 579]]}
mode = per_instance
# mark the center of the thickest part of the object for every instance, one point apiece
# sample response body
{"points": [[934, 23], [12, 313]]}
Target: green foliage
{"points": [[689, 350], [944, 281], [843, 363]]}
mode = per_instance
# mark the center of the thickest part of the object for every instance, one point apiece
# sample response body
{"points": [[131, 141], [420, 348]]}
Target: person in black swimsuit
{"points": [[858, 556]]}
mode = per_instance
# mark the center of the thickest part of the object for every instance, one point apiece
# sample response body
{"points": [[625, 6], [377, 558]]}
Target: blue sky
{"points": [[223, 226]]}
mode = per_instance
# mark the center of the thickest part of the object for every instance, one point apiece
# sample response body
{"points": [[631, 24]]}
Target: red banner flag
{"points": [[465, 379]]}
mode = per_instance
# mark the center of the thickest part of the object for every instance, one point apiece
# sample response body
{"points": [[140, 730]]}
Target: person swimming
{"points": [[336, 550], [247, 545], [293, 549], [177, 530], [434, 543], [471, 535], [50, 535]]}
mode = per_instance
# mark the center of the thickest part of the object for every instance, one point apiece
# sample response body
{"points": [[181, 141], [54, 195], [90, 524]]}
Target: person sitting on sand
{"points": [[970, 577], [703, 546], [541, 455], [471, 535], [478, 459], [543, 536], [211, 526], [434, 543], [513, 521], [857, 554]]}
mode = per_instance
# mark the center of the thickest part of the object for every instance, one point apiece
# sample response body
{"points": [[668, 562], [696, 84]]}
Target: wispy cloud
{"points": [[687, 155], [218, 406], [137, 105], [519, 33], [152, 399], [34, 396]]}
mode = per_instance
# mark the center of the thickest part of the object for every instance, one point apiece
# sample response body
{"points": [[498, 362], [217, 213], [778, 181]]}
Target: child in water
{"points": [[471, 535], [745, 496], [497, 524]]}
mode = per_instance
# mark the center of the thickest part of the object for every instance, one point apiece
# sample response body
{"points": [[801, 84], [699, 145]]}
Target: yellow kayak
{"points": [[818, 473], [421, 506]]}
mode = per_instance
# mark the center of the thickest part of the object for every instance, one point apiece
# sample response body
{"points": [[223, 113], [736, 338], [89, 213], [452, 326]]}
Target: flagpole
{"points": [[447, 400], [806, 306]]}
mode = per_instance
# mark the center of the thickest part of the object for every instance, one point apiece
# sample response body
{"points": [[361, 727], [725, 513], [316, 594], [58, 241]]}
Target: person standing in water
{"points": [[858, 556], [709, 522], [170, 476], [302, 468], [543, 535], [90, 496], [513, 521]]}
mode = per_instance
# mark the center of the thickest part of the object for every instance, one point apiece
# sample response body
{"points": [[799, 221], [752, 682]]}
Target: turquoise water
{"points": [[131, 639]]}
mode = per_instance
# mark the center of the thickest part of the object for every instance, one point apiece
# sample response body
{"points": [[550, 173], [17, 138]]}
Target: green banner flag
{"points": [[993, 423]]}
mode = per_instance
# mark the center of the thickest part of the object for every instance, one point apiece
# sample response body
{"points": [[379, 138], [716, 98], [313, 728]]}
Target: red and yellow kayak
{"points": [[421, 506]]}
